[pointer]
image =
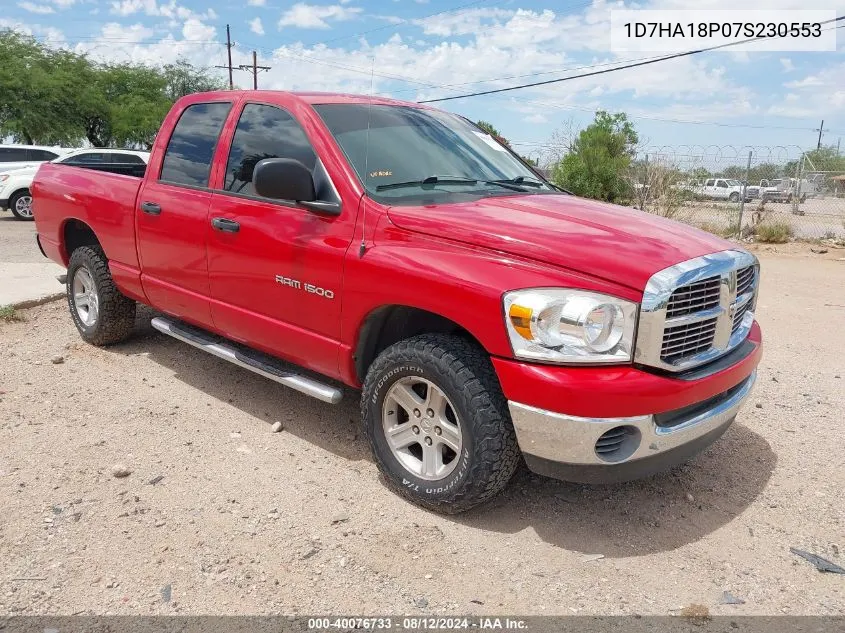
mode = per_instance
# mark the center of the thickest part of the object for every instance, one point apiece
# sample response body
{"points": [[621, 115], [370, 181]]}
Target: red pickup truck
{"points": [[323, 240]]}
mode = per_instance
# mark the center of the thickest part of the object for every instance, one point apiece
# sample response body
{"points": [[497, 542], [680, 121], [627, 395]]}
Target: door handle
{"points": [[226, 225], [150, 208]]}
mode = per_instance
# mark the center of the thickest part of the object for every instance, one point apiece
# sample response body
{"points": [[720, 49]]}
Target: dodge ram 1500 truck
{"points": [[323, 240]]}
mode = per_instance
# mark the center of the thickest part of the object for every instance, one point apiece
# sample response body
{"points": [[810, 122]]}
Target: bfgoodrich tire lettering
{"points": [[115, 313], [462, 371]]}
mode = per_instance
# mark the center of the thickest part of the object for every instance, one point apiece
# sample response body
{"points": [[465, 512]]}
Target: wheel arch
{"points": [[389, 324], [76, 233]]}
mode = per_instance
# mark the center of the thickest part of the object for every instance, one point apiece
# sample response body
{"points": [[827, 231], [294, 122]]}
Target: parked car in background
{"points": [[723, 189], [752, 191], [20, 156], [15, 185]]}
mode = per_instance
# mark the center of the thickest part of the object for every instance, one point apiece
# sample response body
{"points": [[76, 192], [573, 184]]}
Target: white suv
{"points": [[14, 185], [18, 156]]}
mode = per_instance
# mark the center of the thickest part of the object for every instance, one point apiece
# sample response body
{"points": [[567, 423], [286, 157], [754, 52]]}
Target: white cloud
{"points": [[787, 64], [312, 16], [64, 4], [536, 118], [153, 8], [133, 33], [460, 22], [256, 27], [197, 30], [32, 7], [816, 95]]}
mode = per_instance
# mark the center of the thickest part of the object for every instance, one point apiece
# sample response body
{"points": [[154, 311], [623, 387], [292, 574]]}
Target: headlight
{"points": [[559, 325]]}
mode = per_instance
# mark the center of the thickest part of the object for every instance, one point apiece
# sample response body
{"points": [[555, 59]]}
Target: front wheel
{"points": [[734, 197], [21, 205], [100, 312], [438, 423]]}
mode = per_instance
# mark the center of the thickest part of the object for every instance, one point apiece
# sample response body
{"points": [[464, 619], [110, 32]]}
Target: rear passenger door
{"points": [[172, 215]]}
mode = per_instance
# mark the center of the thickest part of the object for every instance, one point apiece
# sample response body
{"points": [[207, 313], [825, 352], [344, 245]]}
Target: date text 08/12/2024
{"points": [[418, 623]]}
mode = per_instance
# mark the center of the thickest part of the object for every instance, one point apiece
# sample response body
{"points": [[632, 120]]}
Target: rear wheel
{"points": [[438, 423], [100, 312], [21, 205]]}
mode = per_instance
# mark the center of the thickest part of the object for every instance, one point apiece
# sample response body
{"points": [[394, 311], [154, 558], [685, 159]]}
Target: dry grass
{"points": [[773, 232]]}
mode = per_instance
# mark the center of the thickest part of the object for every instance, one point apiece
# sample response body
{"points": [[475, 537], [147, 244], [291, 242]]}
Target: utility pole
{"points": [[254, 68], [821, 129], [229, 54]]}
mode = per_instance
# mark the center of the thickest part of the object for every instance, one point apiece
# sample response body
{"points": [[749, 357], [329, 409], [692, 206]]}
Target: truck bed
{"points": [[99, 197]]}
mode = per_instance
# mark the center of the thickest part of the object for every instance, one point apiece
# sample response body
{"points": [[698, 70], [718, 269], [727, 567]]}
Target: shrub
{"points": [[8, 314], [774, 232]]}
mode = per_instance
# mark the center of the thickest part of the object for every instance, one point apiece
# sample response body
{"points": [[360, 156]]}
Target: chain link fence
{"points": [[740, 190]]}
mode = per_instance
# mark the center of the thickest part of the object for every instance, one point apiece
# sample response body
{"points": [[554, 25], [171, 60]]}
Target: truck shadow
{"points": [[637, 518], [659, 513]]}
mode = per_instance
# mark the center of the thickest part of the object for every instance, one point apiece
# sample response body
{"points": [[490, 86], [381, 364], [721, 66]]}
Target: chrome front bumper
{"points": [[567, 447]]}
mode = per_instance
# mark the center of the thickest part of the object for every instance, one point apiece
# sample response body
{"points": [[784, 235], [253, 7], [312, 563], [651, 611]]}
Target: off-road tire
{"points": [[463, 371], [116, 317], [734, 197], [13, 201]]}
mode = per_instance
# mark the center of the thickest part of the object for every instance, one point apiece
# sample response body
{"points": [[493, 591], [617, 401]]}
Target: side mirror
{"points": [[283, 179]]}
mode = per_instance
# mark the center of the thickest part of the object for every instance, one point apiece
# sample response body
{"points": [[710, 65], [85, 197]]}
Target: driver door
{"points": [[275, 268]]}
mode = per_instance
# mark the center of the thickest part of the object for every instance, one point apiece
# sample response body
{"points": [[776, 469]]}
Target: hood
{"points": [[615, 243]]}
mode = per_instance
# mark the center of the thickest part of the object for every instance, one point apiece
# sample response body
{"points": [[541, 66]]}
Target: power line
{"points": [[607, 70]]}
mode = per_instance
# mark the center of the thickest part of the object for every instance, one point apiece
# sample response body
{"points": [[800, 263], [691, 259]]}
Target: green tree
{"points": [[41, 90], [825, 159], [183, 79], [126, 105], [598, 163]]}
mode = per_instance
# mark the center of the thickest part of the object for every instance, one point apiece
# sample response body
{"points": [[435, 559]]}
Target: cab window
{"points": [[264, 131]]}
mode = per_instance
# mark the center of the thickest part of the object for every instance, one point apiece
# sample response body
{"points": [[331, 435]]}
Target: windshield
{"points": [[421, 156], [734, 183]]}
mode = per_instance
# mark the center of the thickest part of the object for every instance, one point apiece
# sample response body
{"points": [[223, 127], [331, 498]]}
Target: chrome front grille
{"points": [[698, 310], [744, 280], [682, 340], [694, 297]]}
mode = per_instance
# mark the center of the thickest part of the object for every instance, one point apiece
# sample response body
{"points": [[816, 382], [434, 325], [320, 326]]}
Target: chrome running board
{"points": [[254, 361]]}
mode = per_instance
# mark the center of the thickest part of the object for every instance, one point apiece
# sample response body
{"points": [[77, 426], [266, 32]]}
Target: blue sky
{"points": [[421, 49]]}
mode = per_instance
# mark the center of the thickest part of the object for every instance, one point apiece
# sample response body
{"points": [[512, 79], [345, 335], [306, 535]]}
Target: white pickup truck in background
{"points": [[722, 189]]}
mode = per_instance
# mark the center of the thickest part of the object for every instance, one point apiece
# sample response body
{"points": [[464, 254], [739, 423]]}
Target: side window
{"points": [[709, 183], [12, 154], [41, 154], [87, 158], [264, 132], [130, 159], [187, 160], [722, 184]]}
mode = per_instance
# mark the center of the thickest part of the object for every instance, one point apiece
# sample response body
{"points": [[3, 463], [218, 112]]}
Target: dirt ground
{"points": [[220, 515]]}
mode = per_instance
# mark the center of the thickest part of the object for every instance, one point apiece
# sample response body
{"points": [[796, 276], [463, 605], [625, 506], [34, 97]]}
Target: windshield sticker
{"points": [[380, 173], [490, 141]]}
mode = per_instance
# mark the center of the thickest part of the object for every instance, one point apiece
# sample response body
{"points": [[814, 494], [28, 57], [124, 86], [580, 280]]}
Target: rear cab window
{"points": [[187, 159]]}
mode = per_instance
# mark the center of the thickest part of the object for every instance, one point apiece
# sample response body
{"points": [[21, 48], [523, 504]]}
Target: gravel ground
{"points": [[220, 515]]}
